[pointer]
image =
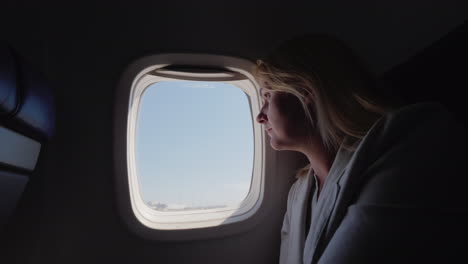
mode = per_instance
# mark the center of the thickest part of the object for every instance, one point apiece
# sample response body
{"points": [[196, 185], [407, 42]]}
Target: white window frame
{"points": [[183, 225]]}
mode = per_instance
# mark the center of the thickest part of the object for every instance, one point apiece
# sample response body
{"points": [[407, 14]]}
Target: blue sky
{"points": [[194, 143]]}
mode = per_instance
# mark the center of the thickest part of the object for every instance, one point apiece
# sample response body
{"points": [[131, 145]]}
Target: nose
{"points": [[262, 117]]}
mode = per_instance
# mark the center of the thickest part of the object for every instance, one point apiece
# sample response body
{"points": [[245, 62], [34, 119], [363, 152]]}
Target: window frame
{"points": [[139, 216]]}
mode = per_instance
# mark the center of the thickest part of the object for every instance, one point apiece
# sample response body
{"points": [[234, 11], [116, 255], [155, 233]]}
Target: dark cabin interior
{"points": [[67, 212]]}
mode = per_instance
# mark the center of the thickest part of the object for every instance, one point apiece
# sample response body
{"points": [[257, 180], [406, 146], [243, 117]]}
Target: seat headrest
{"points": [[26, 101], [8, 91]]}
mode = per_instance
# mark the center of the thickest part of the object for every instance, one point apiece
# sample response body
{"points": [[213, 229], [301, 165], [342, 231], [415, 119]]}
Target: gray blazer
{"points": [[398, 198]]}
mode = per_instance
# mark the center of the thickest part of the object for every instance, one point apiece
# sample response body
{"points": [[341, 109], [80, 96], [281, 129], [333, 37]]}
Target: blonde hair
{"points": [[321, 68]]}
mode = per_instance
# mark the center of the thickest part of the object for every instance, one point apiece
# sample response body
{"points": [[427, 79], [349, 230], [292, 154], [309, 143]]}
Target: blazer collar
{"points": [[326, 203]]}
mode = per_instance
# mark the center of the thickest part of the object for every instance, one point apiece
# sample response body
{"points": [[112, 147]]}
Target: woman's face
{"points": [[284, 120]]}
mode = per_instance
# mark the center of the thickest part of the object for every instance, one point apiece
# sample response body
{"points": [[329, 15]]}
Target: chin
{"points": [[274, 147], [278, 145], [284, 143]]}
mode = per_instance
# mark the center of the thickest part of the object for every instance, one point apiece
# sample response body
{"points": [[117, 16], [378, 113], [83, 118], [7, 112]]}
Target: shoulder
{"points": [[415, 126], [414, 118], [413, 155], [406, 183], [418, 108], [420, 113]]}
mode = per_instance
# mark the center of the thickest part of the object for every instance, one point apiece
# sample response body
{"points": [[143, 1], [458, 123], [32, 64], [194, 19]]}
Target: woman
{"points": [[372, 190]]}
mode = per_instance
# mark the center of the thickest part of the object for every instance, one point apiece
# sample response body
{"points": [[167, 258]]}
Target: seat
{"points": [[27, 121]]}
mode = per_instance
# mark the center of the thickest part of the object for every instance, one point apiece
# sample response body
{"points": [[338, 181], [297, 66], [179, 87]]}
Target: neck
{"points": [[320, 161]]}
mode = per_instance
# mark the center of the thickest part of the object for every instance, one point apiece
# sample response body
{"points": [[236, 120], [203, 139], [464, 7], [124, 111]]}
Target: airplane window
{"points": [[194, 146], [189, 155]]}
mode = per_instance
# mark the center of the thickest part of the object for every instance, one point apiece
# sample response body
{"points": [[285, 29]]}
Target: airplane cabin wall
{"points": [[437, 73]]}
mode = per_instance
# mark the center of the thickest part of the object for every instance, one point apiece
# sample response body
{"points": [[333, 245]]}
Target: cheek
{"points": [[291, 109], [292, 121]]}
